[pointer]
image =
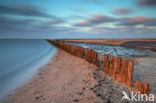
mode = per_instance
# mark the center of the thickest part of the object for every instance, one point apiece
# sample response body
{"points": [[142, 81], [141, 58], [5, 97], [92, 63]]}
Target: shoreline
{"points": [[40, 83], [66, 80]]}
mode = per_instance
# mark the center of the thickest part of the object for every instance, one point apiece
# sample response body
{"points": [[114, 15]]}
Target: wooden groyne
{"points": [[120, 69], [74, 50], [92, 57], [142, 87]]}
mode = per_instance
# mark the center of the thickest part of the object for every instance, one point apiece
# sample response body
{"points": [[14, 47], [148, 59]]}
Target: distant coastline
{"points": [[130, 43]]}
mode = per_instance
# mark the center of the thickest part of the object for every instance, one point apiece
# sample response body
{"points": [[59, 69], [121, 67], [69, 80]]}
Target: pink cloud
{"points": [[147, 2], [141, 19], [83, 23], [100, 18], [136, 20], [95, 20]]}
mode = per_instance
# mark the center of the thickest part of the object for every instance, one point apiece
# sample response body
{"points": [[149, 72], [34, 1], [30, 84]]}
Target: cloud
{"points": [[30, 28], [122, 11], [17, 24], [56, 21], [123, 30], [27, 28], [11, 23], [147, 3], [104, 29], [135, 20], [100, 18], [24, 10], [83, 23], [95, 20], [152, 23]]}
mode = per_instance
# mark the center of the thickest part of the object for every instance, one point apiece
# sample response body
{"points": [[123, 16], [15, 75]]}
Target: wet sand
{"points": [[68, 79]]}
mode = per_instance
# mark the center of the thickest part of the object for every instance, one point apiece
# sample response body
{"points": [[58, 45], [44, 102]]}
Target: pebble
{"points": [[107, 89]]}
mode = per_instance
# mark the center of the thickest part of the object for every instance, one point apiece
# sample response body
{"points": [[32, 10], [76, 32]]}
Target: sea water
{"points": [[19, 61]]}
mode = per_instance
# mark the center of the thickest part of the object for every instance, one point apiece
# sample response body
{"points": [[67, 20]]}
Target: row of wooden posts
{"points": [[118, 68], [122, 70]]}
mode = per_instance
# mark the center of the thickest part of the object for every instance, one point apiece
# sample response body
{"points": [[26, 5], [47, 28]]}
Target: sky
{"points": [[51, 19]]}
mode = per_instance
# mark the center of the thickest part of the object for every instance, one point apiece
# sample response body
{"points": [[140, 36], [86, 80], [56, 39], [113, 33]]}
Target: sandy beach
{"points": [[63, 80], [68, 79]]}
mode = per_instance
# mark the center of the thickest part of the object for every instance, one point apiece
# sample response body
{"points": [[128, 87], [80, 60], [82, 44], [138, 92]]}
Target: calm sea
{"points": [[19, 61]]}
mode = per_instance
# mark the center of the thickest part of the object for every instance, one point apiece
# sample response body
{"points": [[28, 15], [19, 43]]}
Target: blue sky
{"points": [[77, 19]]}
